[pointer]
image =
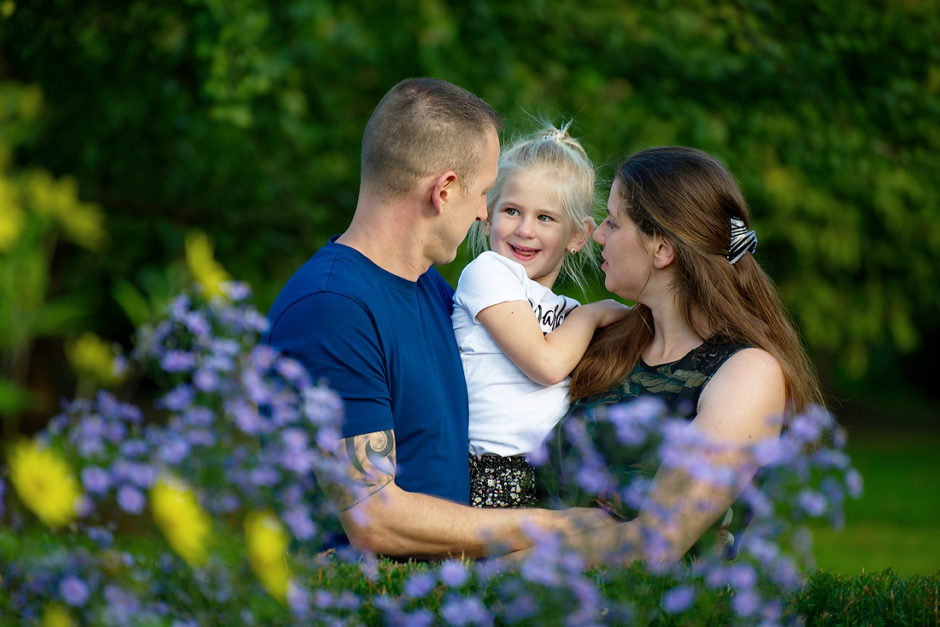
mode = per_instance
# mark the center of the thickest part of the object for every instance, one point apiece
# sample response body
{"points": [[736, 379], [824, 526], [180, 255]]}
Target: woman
{"points": [[710, 338]]}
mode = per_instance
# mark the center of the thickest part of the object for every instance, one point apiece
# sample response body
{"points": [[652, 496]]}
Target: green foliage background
{"points": [[243, 119]]}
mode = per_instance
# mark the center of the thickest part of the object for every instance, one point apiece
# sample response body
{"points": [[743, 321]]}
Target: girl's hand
{"points": [[608, 311]]}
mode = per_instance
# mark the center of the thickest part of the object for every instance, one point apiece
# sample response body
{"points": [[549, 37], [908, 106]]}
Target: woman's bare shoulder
{"points": [[745, 398]]}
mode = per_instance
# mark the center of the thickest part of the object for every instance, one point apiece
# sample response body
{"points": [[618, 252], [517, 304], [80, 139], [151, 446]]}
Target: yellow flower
{"points": [[56, 616], [44, 482], [183, 522], [11, 215], [81, 222], [203, 267], [92, 356], [267, 552]]}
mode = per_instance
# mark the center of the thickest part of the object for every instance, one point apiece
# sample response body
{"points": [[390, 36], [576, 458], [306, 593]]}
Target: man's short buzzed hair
{"points": [[423, 126]]}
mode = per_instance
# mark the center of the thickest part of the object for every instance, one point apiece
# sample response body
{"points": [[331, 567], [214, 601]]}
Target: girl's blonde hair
{"points": [[554, 150]]}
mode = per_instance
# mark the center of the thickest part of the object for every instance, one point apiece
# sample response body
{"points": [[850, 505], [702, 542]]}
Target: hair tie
{"points": [[556, 135], [742, 241]]}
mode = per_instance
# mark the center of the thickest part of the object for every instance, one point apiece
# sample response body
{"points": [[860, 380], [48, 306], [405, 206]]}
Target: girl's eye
{"points": [[545, 218], [511, 211]]}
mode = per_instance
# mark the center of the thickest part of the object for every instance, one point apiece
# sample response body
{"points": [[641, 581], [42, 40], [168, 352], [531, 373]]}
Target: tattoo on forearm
{"points": [[372, 464]]}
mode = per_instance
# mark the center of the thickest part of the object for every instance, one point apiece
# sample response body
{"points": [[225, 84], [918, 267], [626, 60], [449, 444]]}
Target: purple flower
{"points": [[742, 576], [200, 437], [195, 321], [853, 483], [593, 480], [114, 432], [812, 502], [255, 387], [298, 599], [322, 405], [322, 599], [465, 611], [453, 573], [262, 357], [263, 476], [179, 306], [101, 537], [419, 618], [246, 418], [299, 521], [199, 416], [237, 291], [96, 480], [178, 398], [419, 585], [745, 603], [130, 499], [174, 451], [205, 380], [291, 369], [121, 605], [133, 448], [73, 591], [142, 475], [178, 361]]}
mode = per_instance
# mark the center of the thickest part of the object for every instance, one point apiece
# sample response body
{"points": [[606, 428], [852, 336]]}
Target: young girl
{"points": [[516, 352]]}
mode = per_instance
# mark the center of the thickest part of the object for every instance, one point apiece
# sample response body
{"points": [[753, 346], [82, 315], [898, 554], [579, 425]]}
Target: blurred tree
{"points": [[243, 118]]}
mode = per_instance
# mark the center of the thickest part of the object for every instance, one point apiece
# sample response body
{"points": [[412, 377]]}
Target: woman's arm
{"points": [[547, 358], [739, 407]]}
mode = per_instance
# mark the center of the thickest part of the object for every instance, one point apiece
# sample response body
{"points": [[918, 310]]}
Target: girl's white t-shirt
{"points": [[509, 413]]}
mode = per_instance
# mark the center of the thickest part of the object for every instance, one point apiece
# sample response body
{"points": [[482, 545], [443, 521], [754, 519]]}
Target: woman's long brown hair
{"points": [[689, 197]]}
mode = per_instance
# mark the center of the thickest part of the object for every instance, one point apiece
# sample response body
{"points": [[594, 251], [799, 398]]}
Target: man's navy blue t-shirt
{"points": [[386, 346]]}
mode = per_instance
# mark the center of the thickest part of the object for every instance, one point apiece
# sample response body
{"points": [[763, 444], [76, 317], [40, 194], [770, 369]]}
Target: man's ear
{"points": [[444, 188], [664, 253], [581, 236]]}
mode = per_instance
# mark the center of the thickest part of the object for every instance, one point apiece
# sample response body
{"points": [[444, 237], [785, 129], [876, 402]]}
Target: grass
{"points": [[896, 522]]}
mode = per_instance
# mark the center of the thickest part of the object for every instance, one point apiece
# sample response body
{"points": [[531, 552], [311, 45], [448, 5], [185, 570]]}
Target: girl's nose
{"points": [[524, 228]]}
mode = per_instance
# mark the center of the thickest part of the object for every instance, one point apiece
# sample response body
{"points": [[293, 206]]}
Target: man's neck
{"points": [[388, 237]]}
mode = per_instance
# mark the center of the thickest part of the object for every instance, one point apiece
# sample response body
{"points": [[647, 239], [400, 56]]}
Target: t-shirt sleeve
{"points": [[489, 280], [335, 338]]}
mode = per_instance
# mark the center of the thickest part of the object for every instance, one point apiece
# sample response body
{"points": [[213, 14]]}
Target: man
{"points": [[370, 315]]}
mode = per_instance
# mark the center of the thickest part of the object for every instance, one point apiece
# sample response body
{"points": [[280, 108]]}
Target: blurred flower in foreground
{"points": [[203, 267], [12, 217], [95, 358], [44, 482], [267, 552], [81, 222], [56, 616], [183, 522]]}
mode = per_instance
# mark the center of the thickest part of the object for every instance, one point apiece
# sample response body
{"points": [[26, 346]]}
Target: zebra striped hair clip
{"points": [[743, 241]]}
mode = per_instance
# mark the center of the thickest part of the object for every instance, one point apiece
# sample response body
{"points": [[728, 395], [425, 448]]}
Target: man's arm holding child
{"points": [[381, 518]]}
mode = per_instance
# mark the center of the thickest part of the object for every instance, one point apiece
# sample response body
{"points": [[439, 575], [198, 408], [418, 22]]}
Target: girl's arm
{"points": [[547, 358]]}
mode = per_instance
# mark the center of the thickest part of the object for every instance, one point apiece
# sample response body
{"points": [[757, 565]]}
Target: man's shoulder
{"points": [[330, 274]]}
